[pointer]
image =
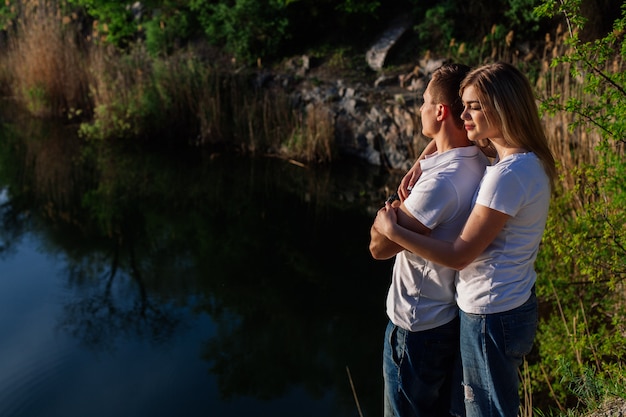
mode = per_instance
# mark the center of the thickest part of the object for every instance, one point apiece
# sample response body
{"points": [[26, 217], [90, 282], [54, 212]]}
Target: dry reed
{"points": [[46, 61], [318, 134]]}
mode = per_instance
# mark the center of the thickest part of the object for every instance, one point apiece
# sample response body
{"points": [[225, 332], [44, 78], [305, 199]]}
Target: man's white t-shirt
{"points": [[502, 277], [421, 294]]}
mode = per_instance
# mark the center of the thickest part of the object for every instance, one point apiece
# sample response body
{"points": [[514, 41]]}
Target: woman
{"points": [[497, 248]]}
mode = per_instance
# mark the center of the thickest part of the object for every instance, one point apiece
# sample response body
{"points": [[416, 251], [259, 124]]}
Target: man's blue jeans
{"points": [[492, 349], [418, 370]]}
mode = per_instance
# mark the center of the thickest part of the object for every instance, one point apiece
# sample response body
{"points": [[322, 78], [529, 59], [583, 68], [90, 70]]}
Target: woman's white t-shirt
{"points": [[502, 277]]}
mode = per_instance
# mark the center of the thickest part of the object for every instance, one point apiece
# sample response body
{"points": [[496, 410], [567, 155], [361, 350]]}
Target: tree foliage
{"points": [[264, 29]]}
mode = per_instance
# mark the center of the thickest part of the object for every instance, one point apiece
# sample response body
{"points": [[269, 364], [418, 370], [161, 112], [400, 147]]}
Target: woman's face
{"points": [[474, 118]]}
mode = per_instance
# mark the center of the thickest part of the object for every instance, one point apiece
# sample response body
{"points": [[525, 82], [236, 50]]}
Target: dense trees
{"points": [[265, 29]]}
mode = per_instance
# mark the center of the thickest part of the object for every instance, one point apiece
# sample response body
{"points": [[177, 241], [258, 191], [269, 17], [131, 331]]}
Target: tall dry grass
{"points": [[314, 140], [46, 61], [571, 145], [186, 98], [53, 69]]}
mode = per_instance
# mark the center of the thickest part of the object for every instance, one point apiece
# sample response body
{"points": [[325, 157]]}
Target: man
{"points": [[422, 338]]}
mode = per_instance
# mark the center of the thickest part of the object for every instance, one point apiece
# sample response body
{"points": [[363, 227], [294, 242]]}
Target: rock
{"points": [[377, 54]]}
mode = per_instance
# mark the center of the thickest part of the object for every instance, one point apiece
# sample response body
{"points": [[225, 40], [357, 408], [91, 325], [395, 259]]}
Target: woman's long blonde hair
{"points": [[509, 103]]}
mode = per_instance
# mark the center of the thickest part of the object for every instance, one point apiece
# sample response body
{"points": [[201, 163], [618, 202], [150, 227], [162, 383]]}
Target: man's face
{"points": [[428, 112]]}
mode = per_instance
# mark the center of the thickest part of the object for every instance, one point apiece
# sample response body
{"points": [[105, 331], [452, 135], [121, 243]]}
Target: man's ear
{"points": [[442, 112]]}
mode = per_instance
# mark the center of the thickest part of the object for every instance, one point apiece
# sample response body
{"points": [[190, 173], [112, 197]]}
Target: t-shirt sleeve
{"points": [[501, 190], [432, 201]]}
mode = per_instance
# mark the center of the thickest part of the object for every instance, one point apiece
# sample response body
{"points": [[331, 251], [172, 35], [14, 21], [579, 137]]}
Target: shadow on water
{"points": [[275, 253]]}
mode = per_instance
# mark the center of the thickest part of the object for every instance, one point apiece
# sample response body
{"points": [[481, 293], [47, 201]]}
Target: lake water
{"points": [[164, 282]]}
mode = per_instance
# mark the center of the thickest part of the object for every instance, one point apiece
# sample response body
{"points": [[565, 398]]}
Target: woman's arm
{"points": [[413, 174], [411, 177], [480, 230]]}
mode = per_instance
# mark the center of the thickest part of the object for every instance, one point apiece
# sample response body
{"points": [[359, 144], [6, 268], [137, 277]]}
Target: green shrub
{"points": [[583, 257]]}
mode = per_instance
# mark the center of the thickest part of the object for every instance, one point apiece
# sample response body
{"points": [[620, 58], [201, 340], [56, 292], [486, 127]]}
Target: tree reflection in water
{"points": [[274, 253], [115, 307]]}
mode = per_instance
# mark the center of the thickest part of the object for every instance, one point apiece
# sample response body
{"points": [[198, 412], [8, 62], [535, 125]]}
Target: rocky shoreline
{"points": [[378, 123]]}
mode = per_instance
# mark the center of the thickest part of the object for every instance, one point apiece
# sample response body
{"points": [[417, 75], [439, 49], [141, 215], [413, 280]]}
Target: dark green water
{"points": [[163, 282]]}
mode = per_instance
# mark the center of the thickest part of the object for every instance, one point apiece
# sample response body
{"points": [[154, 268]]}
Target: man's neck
{"points": [[451, 140]]}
